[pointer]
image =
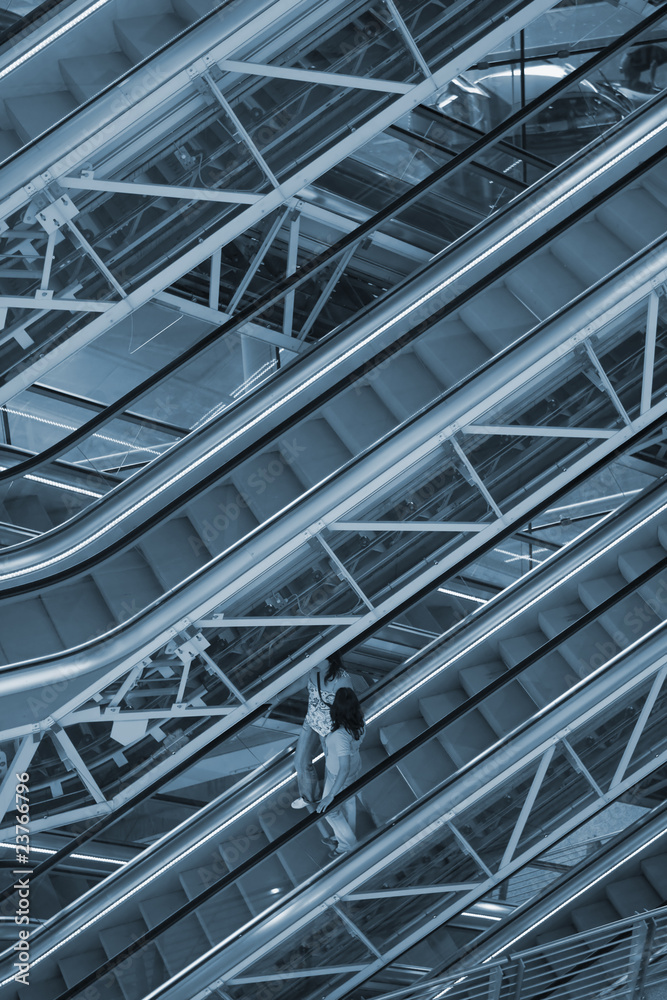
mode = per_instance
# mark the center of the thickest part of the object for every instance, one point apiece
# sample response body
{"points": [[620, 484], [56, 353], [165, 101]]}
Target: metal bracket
{"points": [[56, 215]]}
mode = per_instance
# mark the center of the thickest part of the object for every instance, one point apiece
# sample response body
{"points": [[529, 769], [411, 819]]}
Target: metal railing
{"points": [[621, 960]]}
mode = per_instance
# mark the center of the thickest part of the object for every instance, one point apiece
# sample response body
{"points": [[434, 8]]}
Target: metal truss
{"points": [[629, 956], [209, 92], [178, 678], [510, 819]]}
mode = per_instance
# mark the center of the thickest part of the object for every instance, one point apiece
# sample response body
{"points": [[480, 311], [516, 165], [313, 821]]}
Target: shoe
{"points": [[330, 842], [300, 803], [337, 853]]}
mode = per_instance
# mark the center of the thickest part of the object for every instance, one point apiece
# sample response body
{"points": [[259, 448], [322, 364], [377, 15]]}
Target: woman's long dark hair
{"points": [[346, 713], [335, 667]]}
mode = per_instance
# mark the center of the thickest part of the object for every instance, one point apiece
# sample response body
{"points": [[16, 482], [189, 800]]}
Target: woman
{"points": [[343, 765], [323, 683]]}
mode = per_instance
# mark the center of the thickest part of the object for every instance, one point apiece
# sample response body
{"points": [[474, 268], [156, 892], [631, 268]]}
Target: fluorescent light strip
{"points": [[79, 857], [583, 503], [141, 885], [267, 366], [346, 355], [52, 38], [516, 555], [60, 486], [468, 597], [576, 895], [285, 781], [69, 427], [516, 614]]}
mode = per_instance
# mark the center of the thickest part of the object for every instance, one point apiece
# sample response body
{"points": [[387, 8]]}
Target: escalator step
{"points": [[633, 895], [127, 583], [655, 871], [183, 942], [220, 517], [174, 550], [192, 10], [463, 739], [593, 915], [139, 37], [30, 116], [591, 250], [405, 384], [267, 483], [451, 351], [497, 317], [221, 915], [359, 417], [72, 603], [637, 218], [388, 794], [313, 450], [86, 76], [425, 767], [544, 284], [27, 630], [505, 709]]}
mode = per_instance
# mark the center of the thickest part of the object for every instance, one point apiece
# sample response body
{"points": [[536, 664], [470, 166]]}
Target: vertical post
{"points": [[640, 952], [292, 257], [649, 352], [214, 281], [522, 57]]}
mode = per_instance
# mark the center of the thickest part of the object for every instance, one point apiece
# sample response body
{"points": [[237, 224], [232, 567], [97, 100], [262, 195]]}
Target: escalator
{"points": [[155, 413], [251, 629], [598, 931], [525, 794], [466, 340], [189, 151]]}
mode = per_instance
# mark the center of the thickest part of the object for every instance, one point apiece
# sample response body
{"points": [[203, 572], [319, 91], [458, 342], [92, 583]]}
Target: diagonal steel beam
{"points": [[639, 726], [241, 130], [314, 76], [527, 806], [60, 736], [257, 260], [85, 183], [649, 351], [515, 430], [290, 187], [408, 39], [343, 261], [476, 477], [611, 392]]}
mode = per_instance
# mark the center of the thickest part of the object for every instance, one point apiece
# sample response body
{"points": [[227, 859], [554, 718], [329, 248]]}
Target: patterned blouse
{"points": [[320, 699]]}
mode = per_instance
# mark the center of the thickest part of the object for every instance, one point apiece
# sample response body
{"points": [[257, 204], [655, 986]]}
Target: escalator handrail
{"points": [[119, 643], [499, 608], [18, 559], [495, 750], [307, 271], [456, 714]]}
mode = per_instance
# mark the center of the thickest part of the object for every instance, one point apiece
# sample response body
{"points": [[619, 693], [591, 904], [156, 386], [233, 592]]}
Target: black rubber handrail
{"points": [[109, 86], [105, 822], [353, 789], [310, 268], [133, 534], [102, 824], [23, 25], [569, 875]]}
